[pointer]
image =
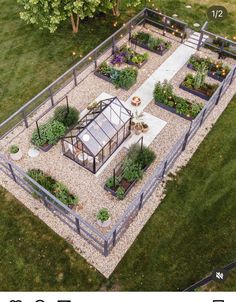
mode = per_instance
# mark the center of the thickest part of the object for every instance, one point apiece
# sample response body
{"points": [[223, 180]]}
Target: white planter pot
{"points": [[16, 156], [104, 224]]}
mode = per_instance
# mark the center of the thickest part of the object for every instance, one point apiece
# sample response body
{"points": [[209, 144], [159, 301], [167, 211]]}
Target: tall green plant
{"points": [[199, 79]]}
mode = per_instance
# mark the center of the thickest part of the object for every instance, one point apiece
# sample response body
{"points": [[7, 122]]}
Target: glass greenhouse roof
{"points": [[108, 118]]}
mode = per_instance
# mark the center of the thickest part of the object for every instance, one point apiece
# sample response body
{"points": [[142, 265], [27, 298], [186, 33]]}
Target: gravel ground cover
{"points": [[62, 168]]}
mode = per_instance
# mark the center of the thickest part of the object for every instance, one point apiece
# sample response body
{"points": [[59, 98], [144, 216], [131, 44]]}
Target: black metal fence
{"points": [[55, 92], [222, 45]]}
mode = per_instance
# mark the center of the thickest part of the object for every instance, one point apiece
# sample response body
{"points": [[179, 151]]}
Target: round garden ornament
{"points": [[33, 152], [136, 101]]}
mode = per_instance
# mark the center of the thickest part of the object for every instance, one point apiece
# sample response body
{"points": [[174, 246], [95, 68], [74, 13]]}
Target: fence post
{"points": [[75, 78], [186, 137], [140, 202], [165, 25], [77, 224], [45, 199], [113, 45], [105, 252], [95, 60], [51, 96], [12, 172], [233, 75], [164, 169], [203, 115], [219, 95], [114, 238], [200, 40], [130, 31], [183, 34], [25, 119]]}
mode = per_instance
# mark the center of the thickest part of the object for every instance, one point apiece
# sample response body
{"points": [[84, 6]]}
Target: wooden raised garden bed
{"points": [[103, 76]]}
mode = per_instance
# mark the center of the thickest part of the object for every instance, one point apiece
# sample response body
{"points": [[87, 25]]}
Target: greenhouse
{"points": [[98, 134]]}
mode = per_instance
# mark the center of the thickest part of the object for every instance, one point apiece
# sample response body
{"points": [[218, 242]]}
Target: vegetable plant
{"points": [[14, 149], [103, 215], [68, 116]]}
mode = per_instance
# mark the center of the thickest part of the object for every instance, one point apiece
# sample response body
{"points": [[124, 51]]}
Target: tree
{"points": [[44, 13], [115, 5], [50, 13]]}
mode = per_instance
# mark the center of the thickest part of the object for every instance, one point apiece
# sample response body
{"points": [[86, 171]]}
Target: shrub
{"points": [[67, 116], [50, 133], [14, 149], [131, 170], [120, 193], [126, 78], [59, 190], [62, 193], [143, 157], [103, 215], [163, 92], [110, 182]]}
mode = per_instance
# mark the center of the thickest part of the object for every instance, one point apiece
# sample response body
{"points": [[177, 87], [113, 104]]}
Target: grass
{"points": [[189, 235], [191, 231]]}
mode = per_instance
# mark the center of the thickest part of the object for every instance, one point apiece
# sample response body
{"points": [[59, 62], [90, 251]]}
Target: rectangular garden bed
{"points": [[145, 46], [173, 110], [195, 92], [120, 78], [130, 171], [210, 74]]}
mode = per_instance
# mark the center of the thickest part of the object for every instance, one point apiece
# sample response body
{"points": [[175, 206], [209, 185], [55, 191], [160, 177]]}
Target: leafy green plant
{"points": [[103, 215], [139, 58], [131, 170], [126, 78], [163, 92], [143, 156], [105, 69], [112, 182], [141, 37], [154, 43], [49, 133], [56, 188], [67, 116], [200, 77], [120, 193], [14, 149]]}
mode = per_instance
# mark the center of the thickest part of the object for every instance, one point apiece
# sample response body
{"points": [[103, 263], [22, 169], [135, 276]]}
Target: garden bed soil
{"points": [[143, 45], [195, 92], [173, 110], [210, 74]]}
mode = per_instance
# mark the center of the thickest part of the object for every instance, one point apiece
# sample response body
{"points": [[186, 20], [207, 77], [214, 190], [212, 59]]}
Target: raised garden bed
{"points": [[129, 56], [59, 190], [216, 70], [166, 99], [124, 78], [131, 170], [205, 91], [148, 42], [48, 134]]}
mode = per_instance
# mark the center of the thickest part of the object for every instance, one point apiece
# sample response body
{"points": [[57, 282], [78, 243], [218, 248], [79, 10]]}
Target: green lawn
{"points": [[188, 235]]}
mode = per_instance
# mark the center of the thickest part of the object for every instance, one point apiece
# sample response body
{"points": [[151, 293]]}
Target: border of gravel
{"points": [[106, 265]]}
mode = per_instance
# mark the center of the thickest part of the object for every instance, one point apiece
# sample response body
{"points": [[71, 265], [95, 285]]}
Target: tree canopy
{"points": [[50, 13]]}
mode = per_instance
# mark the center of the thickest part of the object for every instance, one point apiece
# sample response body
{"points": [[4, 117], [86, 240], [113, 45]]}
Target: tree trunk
{"points": [[116, 8], [75, 22]]}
